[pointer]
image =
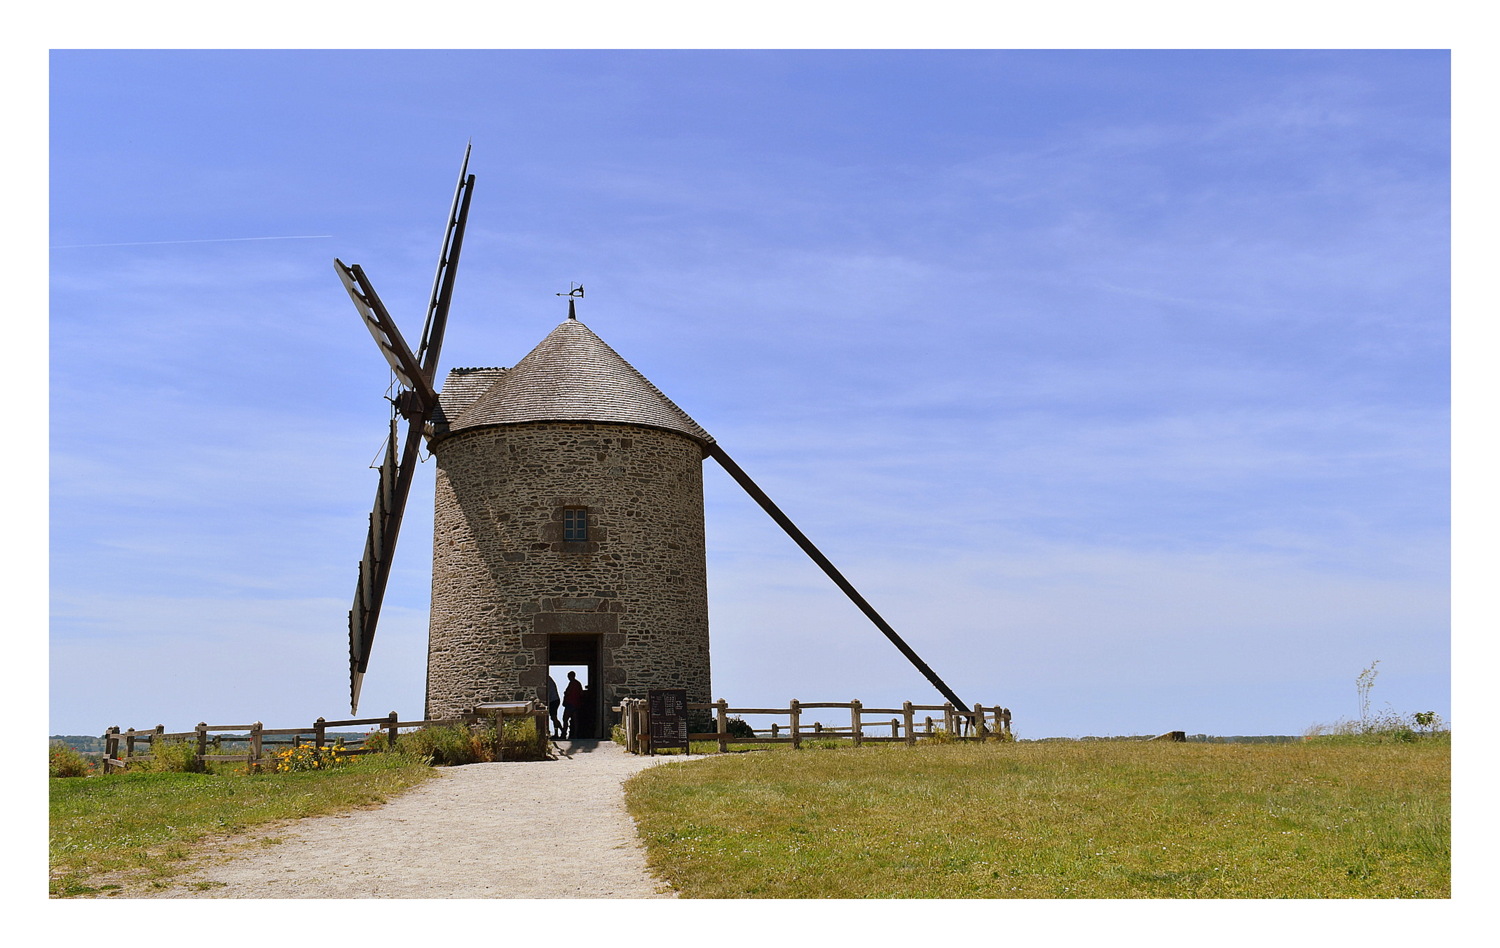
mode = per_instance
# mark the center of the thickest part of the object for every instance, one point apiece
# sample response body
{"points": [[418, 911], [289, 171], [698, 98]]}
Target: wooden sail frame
{"points": [[415, 403]]}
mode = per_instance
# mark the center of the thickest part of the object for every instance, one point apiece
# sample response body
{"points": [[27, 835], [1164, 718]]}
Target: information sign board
{"points": [[666, 718]]}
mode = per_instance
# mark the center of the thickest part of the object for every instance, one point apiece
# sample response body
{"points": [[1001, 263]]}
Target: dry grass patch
{"points": [[1054, 820]]}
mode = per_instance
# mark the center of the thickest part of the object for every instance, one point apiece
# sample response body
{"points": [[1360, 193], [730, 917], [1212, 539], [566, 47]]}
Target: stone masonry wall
{"points": [[504, 580]]}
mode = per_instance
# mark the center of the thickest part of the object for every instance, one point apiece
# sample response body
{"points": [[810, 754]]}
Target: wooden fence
{"points": [[123, 748], [979, 724]]}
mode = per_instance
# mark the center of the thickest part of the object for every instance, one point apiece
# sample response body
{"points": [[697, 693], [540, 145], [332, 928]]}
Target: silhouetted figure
{"points": [[552, 703], [572, 700]]}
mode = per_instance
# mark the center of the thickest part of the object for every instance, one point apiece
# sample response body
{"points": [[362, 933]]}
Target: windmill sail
{"points": [[447, 269], [415, 403], [366, 603]]}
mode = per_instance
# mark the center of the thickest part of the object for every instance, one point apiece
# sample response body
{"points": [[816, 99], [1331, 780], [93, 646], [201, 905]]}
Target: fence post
{"points": [[979, 729], [158, 738], [1005, 720], [111, 748], [129, 744], [855, 726], [390, 736], [201, 732], [895, 728], [722, 707], [255, 746], [796, 724], [320, 733], [906, 720], [948, 718]]}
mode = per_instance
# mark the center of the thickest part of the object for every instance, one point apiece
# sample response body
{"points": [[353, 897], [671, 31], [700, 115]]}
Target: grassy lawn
{"points": [[1054, 820], [143, 826]]}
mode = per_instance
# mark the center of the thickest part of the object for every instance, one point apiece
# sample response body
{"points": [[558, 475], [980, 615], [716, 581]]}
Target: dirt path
{"points": [[543, 830]]}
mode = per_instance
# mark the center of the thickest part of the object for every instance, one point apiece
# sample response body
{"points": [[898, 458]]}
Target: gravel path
{"points": [[527, 830]]}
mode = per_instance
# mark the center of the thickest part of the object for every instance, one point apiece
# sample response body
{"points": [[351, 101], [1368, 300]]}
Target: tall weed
{"points": [[64, 761]]}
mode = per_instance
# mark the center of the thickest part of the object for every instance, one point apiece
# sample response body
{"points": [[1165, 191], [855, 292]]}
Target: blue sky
{"points": [[1117, 381]]}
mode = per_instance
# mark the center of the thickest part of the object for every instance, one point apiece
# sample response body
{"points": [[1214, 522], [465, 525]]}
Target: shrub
{"points": [[171, 757], [303, 757], [737, 727], [444, 746], [522, 742], [455, 744], [1427, 721], [64, 761]]}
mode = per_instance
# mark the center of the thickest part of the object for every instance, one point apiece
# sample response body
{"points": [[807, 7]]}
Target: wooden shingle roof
{"points": [[459, 391], [572, 375]]}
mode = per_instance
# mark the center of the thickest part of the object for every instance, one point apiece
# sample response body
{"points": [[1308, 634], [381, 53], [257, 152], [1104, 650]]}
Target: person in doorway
{"points": [[572, 700], [552, 703]]}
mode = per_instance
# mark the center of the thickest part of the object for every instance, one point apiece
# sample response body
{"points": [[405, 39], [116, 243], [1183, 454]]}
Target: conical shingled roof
{"points": [[573, 375]]}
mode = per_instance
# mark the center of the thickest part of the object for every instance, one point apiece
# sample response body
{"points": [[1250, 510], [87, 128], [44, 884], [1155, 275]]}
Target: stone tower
{"points": [[568, 530]]}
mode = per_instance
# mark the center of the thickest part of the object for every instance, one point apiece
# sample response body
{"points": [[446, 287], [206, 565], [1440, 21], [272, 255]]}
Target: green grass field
{"points": [[143, 827], [1099, 819]]}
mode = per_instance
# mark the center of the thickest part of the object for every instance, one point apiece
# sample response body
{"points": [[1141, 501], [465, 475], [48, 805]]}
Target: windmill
{"points": [[568, 526]]}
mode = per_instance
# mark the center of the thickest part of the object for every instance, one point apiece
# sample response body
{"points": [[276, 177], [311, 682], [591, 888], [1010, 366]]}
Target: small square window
{"points": [[575, 523]]}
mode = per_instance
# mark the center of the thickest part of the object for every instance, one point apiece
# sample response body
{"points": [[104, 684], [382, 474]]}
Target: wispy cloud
{"points": [[206, 240]]}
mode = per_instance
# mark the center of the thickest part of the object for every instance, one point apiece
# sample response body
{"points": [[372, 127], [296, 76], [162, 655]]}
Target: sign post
{"points": [[666, 719]]}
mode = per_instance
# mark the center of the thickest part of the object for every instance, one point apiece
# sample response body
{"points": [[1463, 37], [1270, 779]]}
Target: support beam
{"points": [[783, 521]]}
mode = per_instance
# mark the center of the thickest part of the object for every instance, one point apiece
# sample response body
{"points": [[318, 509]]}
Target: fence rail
{"points": [[122, 748], [980, 724]]}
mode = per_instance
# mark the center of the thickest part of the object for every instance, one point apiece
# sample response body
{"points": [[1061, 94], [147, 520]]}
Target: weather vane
{"points": [[574, 293]]}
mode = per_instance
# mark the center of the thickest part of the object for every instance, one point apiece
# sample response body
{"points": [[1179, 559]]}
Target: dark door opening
{"points": [[580, 655]]}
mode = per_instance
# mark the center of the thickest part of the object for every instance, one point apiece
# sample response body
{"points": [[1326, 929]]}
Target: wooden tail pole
{"points": [[783, 521]]}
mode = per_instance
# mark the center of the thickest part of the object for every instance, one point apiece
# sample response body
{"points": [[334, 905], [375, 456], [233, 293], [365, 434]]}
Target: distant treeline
{"points": [[79, 742]]}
